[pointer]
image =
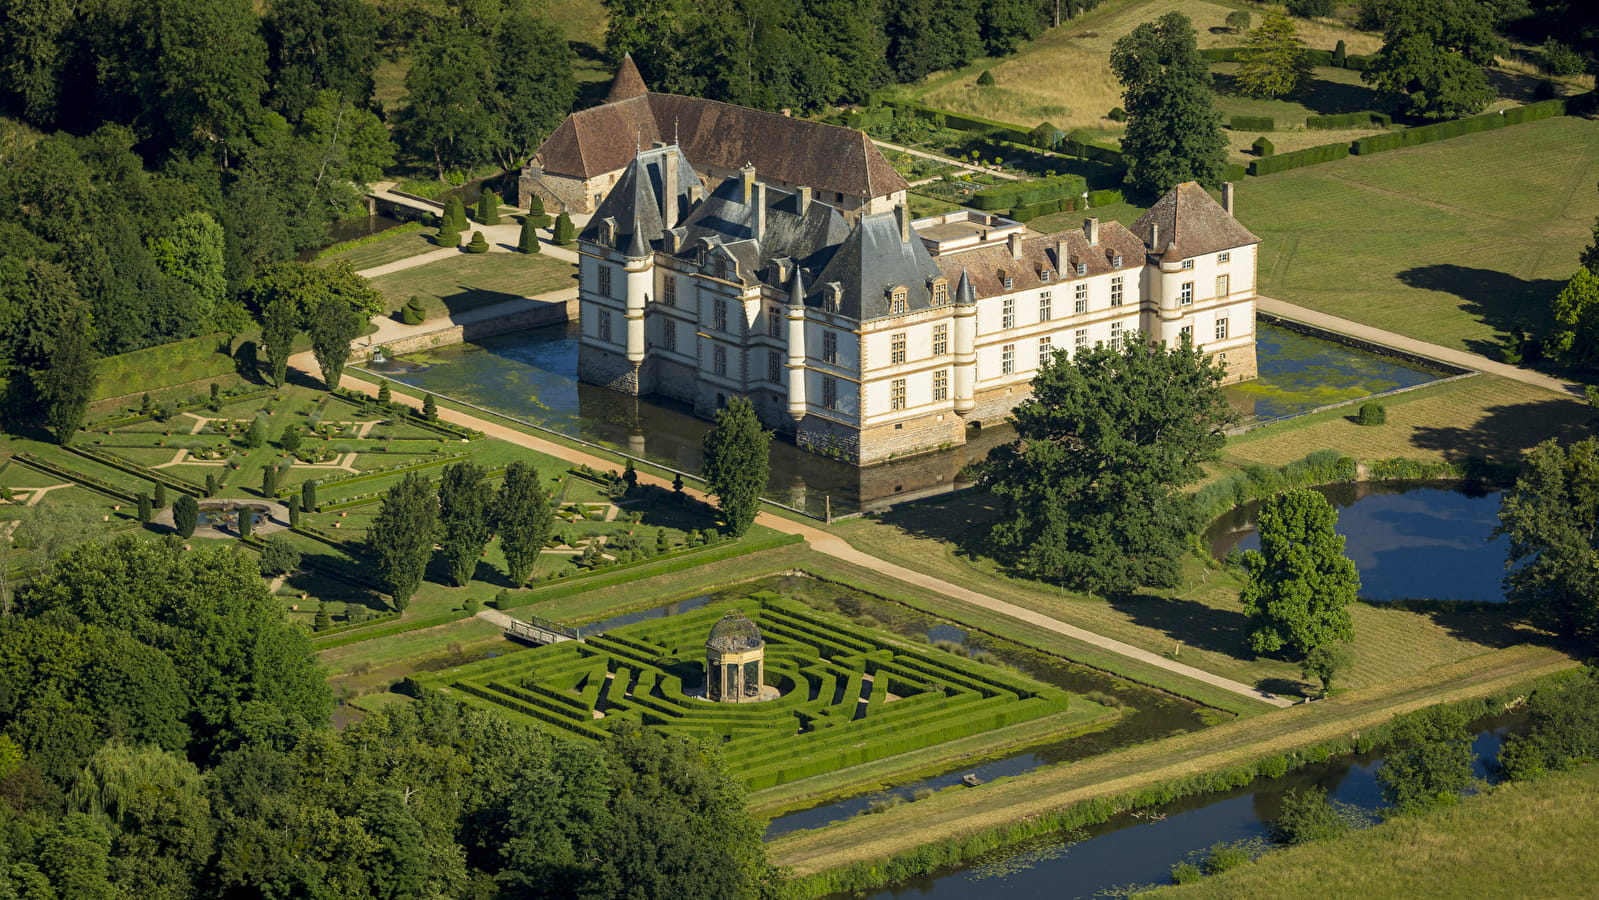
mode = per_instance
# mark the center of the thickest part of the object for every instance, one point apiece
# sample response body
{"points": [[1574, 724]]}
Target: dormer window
{"points": [[832, 297], [1082, 268], [940, 292], [897, 301], [608, 232], [1116, 261], [1043, 274]]}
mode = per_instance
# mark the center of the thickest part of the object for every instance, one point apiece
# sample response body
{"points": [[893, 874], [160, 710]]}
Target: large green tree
{"points": [[522, 519], [1274, 61], [401, 540], [1091, 483], [191, 251], [1428, 760], [465, 505], [1433, 55], [1575, 340], [320, 45], [280, 325], [1300, 582], [1173, 130], [450, 81], [533, 85], [334, 324], [1551, 516], [737, 459]]}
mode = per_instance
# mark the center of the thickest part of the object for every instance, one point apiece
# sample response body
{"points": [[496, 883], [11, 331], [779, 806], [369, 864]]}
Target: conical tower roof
{"points": [[628, 83]]}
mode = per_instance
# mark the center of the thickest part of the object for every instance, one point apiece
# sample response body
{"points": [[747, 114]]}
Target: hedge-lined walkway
{"points": [[832, 545]]}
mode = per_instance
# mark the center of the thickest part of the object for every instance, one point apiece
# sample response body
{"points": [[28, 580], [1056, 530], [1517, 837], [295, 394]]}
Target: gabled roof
{"points": [[986, 268], [1192, 224], [873, 261], [604, 138], [628, 83]]}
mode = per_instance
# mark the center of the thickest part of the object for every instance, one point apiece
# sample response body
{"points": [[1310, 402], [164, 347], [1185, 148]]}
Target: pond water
{"points": [[1410, 540], [1126, 852], [350, 229], [532, 375], [1299, 373]]}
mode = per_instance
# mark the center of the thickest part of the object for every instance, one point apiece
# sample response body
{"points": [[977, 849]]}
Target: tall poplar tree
{"points": [[522, 519], [465, 503], [736, 463], [1173, 130], [1274, 60], [280, 322], [1300, 582], [401, 539], [334, 324]]}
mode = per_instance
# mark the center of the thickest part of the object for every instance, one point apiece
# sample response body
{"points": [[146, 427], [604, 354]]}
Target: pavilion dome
{"points": [[734, 633]]}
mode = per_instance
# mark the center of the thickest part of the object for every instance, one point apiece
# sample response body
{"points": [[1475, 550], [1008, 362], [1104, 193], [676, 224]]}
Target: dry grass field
{"points": [[1540, 834], [1064, 77]]}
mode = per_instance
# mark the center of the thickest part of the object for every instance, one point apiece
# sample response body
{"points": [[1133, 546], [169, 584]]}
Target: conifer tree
{"points": [[465, 506], [430, 408], [401, 540], [280, 322], [308, 495], [488, 208], [522, 519], [160, 495], [565, 234], [528, 242], [324, 619], [185, 515], [385, 396], [736, 463], [246, 521], [145, 509], [334, 324]]}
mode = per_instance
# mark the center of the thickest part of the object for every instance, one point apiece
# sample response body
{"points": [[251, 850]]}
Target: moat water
{"points": [[1410, 540], [532, 375]]}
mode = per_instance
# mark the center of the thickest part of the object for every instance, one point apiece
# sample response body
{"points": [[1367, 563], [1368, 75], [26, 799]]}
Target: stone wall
{"points": [[545, 313], [606, 369]]}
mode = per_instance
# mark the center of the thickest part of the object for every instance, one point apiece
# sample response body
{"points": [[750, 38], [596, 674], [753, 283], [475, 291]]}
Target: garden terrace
{"points": [[848, 695]]}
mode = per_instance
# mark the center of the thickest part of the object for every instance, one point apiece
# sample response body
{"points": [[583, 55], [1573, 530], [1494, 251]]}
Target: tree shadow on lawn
{"points": [[963, 521], [1506, 431], [1189, 622], [1326, 98], [1503, 302], [469, 298]]}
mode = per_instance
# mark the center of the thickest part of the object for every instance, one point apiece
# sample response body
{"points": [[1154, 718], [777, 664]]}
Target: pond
{"points": [[532, 375], [1126, 852], [1410, 540], [350, 229]]}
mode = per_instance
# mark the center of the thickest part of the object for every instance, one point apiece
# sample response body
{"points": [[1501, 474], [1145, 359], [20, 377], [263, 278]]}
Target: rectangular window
{"points": [[940, 340], [1186, 331], [774, 321], [669, 290], [1009, 282], [604, 325], [1223, 257], [896, 303], [774, 367], [830, 347], [941, 385], [719, 360], [896, 398], [1186, 295], [1188, 264], [940, 293], [896, 353], [1222, 286], [1080, 340], [1045, 304], [1082, 268], [1221, 329], [669, 334], [1007, 359], [1116, 291], [1116, 334], [719, 314], [829, 392], [1046, 350], [1044, 274], [1080, 299], [603, 275], [1008, 314]]}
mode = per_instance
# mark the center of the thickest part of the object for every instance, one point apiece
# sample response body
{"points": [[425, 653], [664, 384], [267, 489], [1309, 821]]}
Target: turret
{"points": [[796, 346], [965, 346], [639, 264]]}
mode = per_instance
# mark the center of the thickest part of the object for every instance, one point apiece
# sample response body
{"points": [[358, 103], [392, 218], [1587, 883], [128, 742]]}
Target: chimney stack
{"points": [[669, 190], [904, 216], [1154, 237], [804, 199], [1227, 197], [1091, 229], [760, 212], [748, 177], [1014, 244]]}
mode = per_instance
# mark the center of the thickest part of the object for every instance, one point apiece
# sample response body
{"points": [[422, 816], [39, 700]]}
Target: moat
{"points": [[532, 376]]}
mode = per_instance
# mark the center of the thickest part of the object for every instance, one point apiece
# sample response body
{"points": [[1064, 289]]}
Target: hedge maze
{"points": [[848, 695]]}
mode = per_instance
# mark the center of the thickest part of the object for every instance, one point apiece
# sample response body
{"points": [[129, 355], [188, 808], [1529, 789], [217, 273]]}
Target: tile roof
{"points": [[628, 83], [604, 139], [1192, 223], [988, 267]]}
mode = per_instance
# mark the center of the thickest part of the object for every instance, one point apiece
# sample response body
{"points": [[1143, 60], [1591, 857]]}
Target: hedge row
{"points": [[73, 475], [1426, 134], [696, 556], [1002, 130], [1022, 193], [1252, 123], [411, 415], [164, 365], [1367, 118], [380, 472], [363, 633], [122, 463], [1321, 58], [1257, 482], [1310, 156], [135, 418]]}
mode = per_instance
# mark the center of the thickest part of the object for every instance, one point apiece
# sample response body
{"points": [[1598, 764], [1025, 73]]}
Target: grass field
{"points": [[1064, 77], [1522, 840], [1454, 242], [469, 281], [386, 249]]}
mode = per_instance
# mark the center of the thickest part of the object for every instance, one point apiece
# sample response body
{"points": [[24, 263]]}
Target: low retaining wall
{"points": [[545, 313]]}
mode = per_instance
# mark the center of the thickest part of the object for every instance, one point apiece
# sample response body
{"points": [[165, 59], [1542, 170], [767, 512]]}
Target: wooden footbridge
{"points": [[539, 632]]}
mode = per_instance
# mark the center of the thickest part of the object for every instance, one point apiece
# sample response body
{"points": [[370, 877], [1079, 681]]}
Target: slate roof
{"points": [[604, 138], [1192, 223], [870, 263], [635, 205], [987, 267]]}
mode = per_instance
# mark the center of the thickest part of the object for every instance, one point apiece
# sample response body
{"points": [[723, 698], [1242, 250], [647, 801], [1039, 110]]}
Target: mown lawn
{"points": [[1455, 242], [1522, 840], [386, 249], [469, 281]]}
